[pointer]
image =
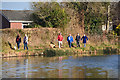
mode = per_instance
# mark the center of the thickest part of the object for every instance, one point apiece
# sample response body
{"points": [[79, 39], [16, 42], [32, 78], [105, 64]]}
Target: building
{"points": [[15, 19], [107, 28]]}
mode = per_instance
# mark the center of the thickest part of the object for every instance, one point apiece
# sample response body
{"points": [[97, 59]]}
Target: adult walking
{"points": [[60, 38], [84, 39], [70, 40], [18, 41], [78, 40], [25, 41]]}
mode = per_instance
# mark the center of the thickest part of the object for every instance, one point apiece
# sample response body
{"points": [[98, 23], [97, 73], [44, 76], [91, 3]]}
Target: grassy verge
{"points": [[89, 50], [39, 43]]}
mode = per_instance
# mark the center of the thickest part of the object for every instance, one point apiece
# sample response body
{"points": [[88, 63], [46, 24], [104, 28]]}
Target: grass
{"points": [[38, 49], [49, 52], [21, 50], [71, 51], [102, 48]]}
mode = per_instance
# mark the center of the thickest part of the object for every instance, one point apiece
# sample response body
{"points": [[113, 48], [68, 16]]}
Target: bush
{"points": [[117, 30], [92, 48], [20, 31], [52, 52], [49, 53], [110, 50]]}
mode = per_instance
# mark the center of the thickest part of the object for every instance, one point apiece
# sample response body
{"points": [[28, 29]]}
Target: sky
{"points": [[16, 5], [26, 4]]}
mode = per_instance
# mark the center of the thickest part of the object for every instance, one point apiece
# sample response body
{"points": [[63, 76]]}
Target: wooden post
{"points": [[95, 52]]}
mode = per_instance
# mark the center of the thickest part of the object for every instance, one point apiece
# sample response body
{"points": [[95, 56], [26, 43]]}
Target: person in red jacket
{"points": [[60, 38]]}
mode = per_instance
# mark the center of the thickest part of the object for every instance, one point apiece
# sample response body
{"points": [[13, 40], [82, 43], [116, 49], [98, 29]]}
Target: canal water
{"points": [[61, 67]]}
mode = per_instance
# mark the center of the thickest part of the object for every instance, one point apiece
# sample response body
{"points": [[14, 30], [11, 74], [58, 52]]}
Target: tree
{"points": [[115, 16], [49, 14], [115, 13], [80, 7], [93, 14]]}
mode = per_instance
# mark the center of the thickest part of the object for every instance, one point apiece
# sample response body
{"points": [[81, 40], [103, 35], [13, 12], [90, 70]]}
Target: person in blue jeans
{"points": [[18, 41], [25, 41], [70, 40], [84, 39]]}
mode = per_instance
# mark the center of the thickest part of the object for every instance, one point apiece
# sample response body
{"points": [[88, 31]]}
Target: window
{"points": [[25, 25]]}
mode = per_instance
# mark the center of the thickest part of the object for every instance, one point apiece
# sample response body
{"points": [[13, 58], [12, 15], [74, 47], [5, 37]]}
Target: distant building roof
{"points": [[17, 15]]}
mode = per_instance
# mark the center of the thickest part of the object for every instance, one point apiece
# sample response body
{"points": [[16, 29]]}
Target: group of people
{"points": [[59, 38], [25, 41], [70, 40]]}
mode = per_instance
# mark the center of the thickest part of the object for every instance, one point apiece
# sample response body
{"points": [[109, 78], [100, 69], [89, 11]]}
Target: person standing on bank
{"points": [[60, 38], [84, 39], [78, 40], [25, 41], [70, 40], [18, 41]]}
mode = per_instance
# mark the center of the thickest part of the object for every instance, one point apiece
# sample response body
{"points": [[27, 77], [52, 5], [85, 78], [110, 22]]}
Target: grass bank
{"points": [[51, 52], [39, 40]]}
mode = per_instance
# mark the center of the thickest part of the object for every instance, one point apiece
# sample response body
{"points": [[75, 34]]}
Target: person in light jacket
{"points": [[25, 41]]}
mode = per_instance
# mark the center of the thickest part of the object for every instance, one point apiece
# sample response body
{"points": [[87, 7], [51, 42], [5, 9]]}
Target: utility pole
{"points": [[108, 19]]}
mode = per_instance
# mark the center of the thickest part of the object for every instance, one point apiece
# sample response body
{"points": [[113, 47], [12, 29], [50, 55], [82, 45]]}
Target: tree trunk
{"points": [[82, 14]]}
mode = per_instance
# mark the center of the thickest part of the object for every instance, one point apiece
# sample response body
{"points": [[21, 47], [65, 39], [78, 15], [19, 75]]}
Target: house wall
{"points": [[16, 25], [5, 23], [0, 21]]}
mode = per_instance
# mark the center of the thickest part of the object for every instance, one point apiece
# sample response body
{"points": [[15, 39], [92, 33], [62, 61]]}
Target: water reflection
{"points": [[61, 67], [17, 67]]}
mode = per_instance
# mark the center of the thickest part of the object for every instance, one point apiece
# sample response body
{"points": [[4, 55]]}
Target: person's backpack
{"points": [[17, 39]]}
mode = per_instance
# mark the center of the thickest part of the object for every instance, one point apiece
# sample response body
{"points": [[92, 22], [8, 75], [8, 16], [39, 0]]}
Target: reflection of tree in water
{"points": [[84, 72], [24, 64], [72, 72], [60, 67], [17, 67], [56, 68], [26, 67], [96, 73]]}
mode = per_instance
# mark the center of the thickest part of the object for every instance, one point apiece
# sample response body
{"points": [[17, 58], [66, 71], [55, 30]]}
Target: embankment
{"points": [[40, 38]]}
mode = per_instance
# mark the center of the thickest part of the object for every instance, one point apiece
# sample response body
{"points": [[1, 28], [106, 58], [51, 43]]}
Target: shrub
{"points": [[117, 30], [92, 48], [52, 52], [49, 52], [20, 31]]}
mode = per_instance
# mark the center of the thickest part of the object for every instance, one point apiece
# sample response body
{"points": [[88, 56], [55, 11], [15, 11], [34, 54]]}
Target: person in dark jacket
{"points": [[78, 40], [18, 41], [84, 39], [70, 40]]}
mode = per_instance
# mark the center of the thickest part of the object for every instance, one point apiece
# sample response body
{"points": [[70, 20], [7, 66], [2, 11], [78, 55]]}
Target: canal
{"points": [[61, 67]]}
